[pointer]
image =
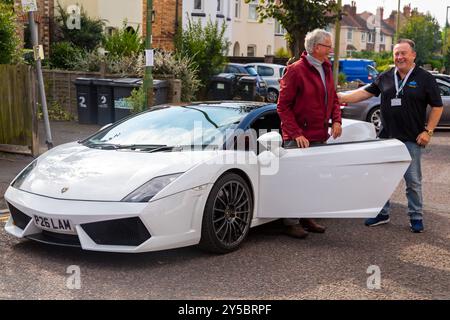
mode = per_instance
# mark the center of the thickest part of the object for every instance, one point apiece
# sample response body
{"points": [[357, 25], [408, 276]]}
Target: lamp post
{"points": [[337, 40], [148, 78]]}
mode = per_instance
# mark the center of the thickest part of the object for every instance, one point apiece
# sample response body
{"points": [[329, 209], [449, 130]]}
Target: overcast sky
{"points": [[435, 7]]}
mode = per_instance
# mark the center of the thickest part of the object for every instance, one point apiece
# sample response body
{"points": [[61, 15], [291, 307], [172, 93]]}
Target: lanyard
{"points": [[397, 89]]}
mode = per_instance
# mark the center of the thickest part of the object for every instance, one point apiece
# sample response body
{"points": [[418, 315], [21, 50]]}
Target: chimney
{"points": [[407, 11], [353, 9], [346, 8], [380, 11]]}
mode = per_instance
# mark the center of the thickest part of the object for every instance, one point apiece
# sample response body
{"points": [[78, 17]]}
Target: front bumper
{"points": [[170, 222]]}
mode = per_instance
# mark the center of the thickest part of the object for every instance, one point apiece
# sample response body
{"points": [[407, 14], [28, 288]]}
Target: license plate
{"points": [[53, 224]]}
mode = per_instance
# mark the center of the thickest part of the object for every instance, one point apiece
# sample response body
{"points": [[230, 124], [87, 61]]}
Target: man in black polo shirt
{"points": [[406, 91]]}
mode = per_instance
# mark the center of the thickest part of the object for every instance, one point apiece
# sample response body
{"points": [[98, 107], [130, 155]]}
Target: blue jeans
{"points": [[413, 179]]}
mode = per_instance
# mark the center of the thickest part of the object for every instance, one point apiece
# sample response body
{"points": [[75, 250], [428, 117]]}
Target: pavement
{"points": [[336, 265]]}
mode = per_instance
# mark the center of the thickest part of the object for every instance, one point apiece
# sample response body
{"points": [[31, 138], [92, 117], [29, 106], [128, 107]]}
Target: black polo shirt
{"points": [[407, 121]]}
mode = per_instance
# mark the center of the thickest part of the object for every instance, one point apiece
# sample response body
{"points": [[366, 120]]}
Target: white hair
{"points": [[315, 37]]}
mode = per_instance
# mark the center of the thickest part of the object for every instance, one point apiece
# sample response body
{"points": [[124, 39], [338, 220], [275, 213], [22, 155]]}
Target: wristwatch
{"points": [[429, 132]]}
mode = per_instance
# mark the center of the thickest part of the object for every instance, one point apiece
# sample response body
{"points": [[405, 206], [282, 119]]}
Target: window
{"points": [[349, 35], [382, 38], [363, 37], [252, 14], [445, 91], [219, 6], [269, 50], [265, 71], [237, 49], [370, 38], [198, 5], [279, 28], [282, 72], [251, 50], [237, 9]]}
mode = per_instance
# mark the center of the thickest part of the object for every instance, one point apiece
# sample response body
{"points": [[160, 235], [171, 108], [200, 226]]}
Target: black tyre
{"points": [[272, 96], [227, 215], [374, 117]]}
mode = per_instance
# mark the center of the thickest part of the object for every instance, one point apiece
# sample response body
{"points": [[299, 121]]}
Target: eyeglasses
{"points": [[324, 45]]}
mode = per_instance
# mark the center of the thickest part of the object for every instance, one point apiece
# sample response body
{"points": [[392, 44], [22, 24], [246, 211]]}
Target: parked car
{"points": [[271, 73], [157, 180], [362, 70], [243, 70], [369, 110]]}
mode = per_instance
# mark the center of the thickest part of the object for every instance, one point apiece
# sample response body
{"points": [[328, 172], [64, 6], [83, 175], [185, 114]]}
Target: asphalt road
{"points": [[336, 265]]}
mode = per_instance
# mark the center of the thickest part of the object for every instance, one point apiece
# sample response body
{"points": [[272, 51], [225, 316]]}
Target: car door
{"points": [[348, 180], [444, 88]]}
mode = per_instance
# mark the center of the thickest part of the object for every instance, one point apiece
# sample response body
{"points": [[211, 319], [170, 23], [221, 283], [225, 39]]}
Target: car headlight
{"points": [[18, 181], [148, 190]]}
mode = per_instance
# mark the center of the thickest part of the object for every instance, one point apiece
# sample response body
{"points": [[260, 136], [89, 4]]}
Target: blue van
{"points": [[358, 69]]}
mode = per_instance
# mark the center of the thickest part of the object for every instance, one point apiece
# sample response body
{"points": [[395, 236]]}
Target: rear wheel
{"points": [[374, 117], [272, 96], [227, 215]]}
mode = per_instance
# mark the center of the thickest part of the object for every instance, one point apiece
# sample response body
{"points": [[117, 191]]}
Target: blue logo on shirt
{"points": [[412, 84]]}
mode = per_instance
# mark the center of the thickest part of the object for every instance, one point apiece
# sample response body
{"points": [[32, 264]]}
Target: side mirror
{"points": [[105, 126], [272, 142]]}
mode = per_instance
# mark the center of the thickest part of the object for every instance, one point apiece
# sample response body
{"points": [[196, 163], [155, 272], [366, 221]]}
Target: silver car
{"points": [[271, 73], [369, 110]]}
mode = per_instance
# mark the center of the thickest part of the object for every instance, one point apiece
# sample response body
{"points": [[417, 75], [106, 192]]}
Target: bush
{"points": [[137, 100], [341, 78], [65, 56], [55, 112], [282, 53], [205, 46], [180, 67], [9, 41], [88, 37], [124, 42]]}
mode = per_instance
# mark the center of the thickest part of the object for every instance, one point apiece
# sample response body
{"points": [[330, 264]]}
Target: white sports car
{"points": [[199, 174]]}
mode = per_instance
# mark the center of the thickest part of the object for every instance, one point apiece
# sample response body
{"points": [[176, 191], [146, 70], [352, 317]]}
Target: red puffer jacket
{"points": [[301, 103]]}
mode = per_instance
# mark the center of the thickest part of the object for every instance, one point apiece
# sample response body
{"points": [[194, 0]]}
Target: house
{"points": [[363, 31], [114, 12], [44, 21], [251, 38]]}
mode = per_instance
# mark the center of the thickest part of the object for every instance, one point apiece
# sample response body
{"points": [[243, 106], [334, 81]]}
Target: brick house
{"points": [[43, 18], [167, 17]]}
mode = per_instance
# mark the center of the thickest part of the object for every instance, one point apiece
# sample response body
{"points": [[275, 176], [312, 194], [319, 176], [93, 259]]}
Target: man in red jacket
{"points": [[306, 103]]}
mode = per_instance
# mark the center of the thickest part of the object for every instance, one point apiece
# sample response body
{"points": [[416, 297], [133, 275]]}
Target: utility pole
{"points": [[148, 78], [30, 6], [337, 40], [397, 26]]}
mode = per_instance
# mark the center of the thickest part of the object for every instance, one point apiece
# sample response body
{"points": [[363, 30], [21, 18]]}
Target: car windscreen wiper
{"points": [[166, 148], [109, 146]]}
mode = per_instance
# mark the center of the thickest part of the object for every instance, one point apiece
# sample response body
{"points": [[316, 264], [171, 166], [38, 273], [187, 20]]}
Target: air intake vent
{"points": [[20, 219], [120, 232]]}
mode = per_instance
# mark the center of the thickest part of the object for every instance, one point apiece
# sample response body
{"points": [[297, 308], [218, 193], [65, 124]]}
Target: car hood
{"points": [[103, 175]]}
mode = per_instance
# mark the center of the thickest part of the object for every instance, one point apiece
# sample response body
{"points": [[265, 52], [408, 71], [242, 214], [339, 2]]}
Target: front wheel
{"points": [[227, 215], [374, 117], [272, 96]]}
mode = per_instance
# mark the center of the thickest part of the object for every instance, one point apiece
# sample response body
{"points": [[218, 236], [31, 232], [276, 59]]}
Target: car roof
{"points": [[266, 64], [228, 104]]}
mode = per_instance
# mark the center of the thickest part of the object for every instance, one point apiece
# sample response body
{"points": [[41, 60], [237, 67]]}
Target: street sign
{"points": [[149, 57], [29, 5]]}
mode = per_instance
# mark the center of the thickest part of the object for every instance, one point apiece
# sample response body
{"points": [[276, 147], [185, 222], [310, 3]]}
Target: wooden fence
{"points": [[18, 110]]}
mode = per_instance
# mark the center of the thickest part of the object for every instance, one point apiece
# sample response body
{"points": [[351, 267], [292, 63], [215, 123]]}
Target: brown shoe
{"points": [[312, 226], [296, 231]]}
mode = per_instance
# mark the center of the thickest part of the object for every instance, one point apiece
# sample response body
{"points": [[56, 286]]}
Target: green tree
{"points": [[298, 17], [206, 46], [88, 37], [424, 31], [124, 42], [9, 41]]}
